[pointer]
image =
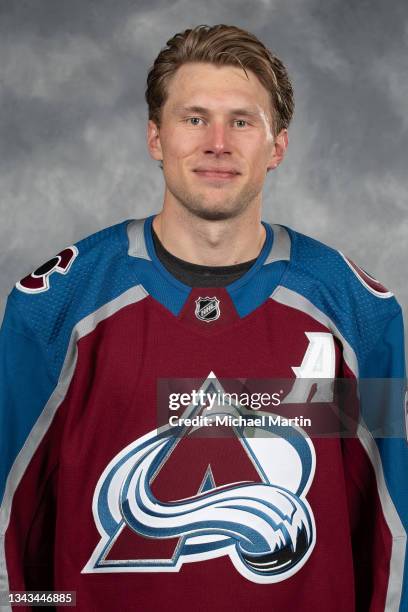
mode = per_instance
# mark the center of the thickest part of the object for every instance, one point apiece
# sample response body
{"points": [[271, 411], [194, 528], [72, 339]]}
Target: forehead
{"points": [[214, 86]]}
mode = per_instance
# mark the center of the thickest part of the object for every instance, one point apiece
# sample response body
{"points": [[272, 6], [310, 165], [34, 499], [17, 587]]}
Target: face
{"points": [[215, 140]]}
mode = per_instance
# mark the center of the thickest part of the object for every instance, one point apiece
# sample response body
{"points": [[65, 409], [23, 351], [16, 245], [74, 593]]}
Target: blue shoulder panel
{"points": [[322, 275], [98, 274], [37, 327]]}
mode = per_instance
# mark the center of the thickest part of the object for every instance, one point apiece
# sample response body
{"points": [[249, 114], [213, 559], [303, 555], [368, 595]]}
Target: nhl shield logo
{"points": [[207, 309]]}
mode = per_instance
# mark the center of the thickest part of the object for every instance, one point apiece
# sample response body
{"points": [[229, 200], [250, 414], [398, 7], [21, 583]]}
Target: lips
{"points": [[219, 173], [217, 170]]}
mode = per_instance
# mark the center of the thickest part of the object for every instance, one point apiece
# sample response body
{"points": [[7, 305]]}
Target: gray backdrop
{"points": [[72, 123]]}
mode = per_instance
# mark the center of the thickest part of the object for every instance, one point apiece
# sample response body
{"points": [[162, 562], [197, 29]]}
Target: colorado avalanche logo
{"points": [[38, 281], [207, 309], [265, 526]]}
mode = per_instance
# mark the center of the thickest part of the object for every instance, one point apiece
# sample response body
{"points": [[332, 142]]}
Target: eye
{"points": [[189, 119], [241, 121]]}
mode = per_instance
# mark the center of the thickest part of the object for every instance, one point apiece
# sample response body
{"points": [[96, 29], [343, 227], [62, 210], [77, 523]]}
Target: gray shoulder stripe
{"points": [[88, 324], [281, 245], [399, 536], [298, 301], [137, 245], [40, 428]]}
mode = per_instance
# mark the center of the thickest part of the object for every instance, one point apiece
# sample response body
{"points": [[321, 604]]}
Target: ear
{"points": [[153, 141], [279, 149]]}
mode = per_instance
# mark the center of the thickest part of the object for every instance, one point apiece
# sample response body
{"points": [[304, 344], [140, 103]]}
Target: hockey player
{"points": [[101, 497]]}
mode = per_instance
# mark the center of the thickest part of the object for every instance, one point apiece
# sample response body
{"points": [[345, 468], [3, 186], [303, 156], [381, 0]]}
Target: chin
{"points": [[214, 214]]}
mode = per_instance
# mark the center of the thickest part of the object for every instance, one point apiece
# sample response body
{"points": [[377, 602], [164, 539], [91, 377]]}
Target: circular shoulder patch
{"points": [[39, 280], [367, 280]]}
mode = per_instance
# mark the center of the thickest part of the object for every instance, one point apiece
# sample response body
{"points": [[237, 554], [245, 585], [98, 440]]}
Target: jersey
{"points": [[101, 497]]}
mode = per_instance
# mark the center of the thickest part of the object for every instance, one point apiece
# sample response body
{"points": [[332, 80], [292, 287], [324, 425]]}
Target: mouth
{"points": [[217, 174]]}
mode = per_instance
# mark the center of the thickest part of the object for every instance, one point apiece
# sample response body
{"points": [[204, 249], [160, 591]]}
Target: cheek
{"points": [[258, 163], [178, 145]]}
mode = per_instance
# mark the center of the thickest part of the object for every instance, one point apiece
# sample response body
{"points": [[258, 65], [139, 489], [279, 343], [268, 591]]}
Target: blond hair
{"points": [[221, 45]]}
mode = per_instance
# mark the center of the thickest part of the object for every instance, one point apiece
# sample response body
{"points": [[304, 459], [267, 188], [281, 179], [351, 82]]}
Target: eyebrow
{"points": [[205, 111]]}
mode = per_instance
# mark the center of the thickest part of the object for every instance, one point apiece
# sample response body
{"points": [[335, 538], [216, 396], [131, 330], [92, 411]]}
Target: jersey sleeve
{"points": [[385, 364], [375, 459], [27, 477]]}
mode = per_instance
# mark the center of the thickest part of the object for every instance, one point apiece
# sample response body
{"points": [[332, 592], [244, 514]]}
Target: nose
{"points": [[218, 140]]}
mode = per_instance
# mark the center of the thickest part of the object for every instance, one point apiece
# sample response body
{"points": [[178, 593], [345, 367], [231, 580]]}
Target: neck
{"points": [[210, 243]]}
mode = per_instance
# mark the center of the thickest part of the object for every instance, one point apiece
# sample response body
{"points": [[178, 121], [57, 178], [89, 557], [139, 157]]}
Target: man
{"points": [[134, 510]]}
